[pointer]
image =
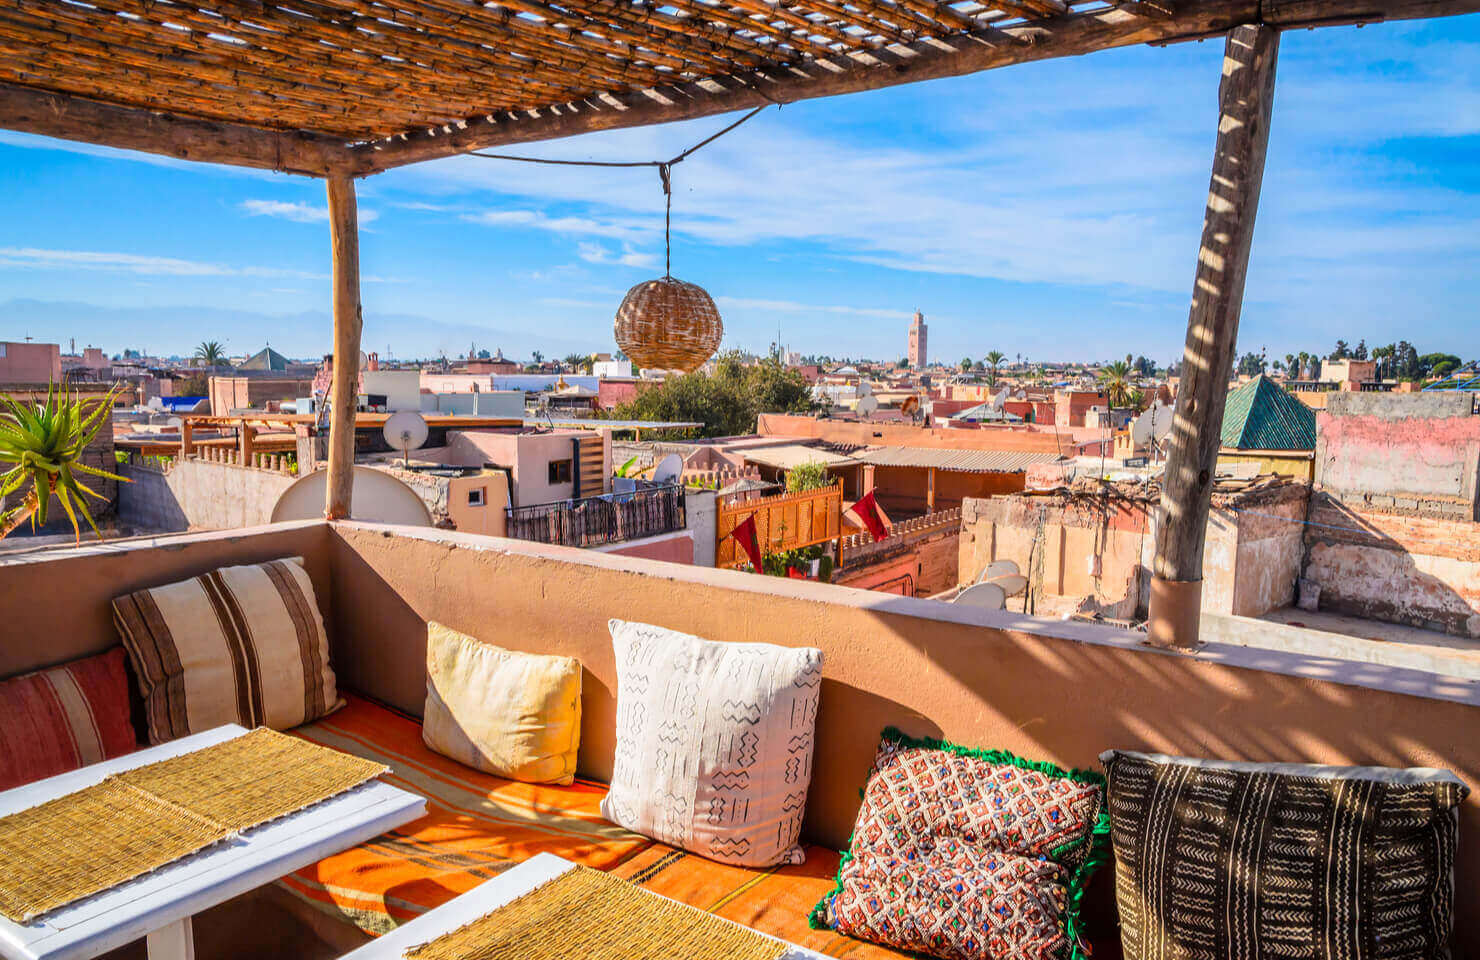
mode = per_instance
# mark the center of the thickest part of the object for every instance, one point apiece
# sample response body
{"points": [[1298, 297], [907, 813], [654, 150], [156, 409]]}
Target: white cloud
{"points": [[578, 226], [596, 253], [35, 258], [298, 212], [791, 306]]}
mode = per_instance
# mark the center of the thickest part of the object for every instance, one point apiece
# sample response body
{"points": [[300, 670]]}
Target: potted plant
{"points": [[41, 448]]}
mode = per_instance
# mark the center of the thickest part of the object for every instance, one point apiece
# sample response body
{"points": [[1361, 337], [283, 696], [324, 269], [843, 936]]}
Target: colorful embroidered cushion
{"points": [[714, 743], [56, 720], [239, 645], [1282, 859], [969, 854], [515, 715]]}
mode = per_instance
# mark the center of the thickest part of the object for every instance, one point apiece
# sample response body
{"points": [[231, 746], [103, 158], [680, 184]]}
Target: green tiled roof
{"points": [[268, 359], [1262, 415]]}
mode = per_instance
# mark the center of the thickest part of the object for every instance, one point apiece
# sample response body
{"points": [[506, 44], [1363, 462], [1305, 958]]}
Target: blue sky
{"points": [[1051, 209]]}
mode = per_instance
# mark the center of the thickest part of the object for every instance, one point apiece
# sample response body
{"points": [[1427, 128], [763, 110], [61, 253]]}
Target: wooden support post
{"points": [[187, 439], [930, 490], [344, 237], [247, 439], [1245, 102]]}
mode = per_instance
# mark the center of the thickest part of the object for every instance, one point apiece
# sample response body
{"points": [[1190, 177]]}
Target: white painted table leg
{"points": [[174, 942]]}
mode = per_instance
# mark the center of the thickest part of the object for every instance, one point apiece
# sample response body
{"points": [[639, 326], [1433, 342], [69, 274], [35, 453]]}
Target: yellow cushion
{"points": [[511, 714]]}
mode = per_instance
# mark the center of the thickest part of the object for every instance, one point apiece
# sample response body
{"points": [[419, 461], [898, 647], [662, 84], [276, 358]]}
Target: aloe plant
{"points": [[43, 444]]}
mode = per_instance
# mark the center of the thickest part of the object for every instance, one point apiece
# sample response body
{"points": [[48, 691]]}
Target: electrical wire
{"points": [[665, 173]]}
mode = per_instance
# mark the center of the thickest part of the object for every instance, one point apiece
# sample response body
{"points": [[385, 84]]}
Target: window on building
{"points": [[560, 471], [475, 497]]}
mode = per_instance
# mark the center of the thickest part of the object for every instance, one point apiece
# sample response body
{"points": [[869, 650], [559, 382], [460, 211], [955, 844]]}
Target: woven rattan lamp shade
{"points": [[667, 324]]}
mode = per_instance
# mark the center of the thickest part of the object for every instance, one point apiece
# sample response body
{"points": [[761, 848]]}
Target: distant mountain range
{"points": [[175, 330]]}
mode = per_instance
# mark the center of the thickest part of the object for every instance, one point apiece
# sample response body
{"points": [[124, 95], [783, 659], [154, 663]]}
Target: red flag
{"points": [[872, 516], [744, 534]]}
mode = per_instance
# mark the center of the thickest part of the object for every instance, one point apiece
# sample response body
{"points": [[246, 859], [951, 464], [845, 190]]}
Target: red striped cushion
{"points": [[67, 717]]}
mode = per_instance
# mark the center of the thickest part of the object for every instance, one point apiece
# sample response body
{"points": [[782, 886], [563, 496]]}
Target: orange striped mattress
{"points": [[477, 825], [774, 900]]}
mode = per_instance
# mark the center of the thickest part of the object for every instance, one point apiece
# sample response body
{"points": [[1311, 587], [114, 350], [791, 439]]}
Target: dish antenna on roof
{"points": [[1153, 425], [376, 497], [865, 389], [867, 406], [405, 431], [670, 468], [988, 596]]}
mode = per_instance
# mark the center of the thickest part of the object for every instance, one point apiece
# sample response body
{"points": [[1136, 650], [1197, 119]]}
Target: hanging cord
{"points": [[665, 174]]}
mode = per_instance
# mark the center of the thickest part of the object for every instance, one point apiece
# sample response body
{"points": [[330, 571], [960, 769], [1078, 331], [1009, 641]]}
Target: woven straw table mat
{"points": [[142, 819], [591, 915]]}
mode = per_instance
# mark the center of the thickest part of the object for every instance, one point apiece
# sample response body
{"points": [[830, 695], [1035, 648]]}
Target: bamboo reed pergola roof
{"points": [[352, 87]]}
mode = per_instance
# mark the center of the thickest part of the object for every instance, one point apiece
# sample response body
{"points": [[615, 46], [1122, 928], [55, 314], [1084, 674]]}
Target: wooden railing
{"points": [[594, 521], [786, 521]]}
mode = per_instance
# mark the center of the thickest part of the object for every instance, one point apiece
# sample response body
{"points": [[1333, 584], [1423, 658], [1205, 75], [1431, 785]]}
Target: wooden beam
{"points": [[344, 234], [74, 118], [1245, 102], [1070, 35]]}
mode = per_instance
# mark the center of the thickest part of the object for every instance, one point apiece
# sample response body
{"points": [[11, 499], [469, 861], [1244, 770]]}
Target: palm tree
{"points": [[994, 358], [1290, 370], [539, 358], [211, 353], [43, 443], [965, 364], [1115, 380], [575, 362]]}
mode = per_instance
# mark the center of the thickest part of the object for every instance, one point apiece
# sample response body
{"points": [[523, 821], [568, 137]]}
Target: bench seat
{"points": [[479, 825]]}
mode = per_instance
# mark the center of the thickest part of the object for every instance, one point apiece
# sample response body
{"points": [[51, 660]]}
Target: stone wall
{"points": [[1093, 553], [1410, 453], [1419, 571], [924, 549], [198, 495]]}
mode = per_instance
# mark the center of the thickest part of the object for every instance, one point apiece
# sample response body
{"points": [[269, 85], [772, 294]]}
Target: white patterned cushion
{"points": [[714, 743]]}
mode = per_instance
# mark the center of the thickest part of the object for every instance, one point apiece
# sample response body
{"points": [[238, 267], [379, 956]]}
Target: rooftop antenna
{"points": [[405, 431]]}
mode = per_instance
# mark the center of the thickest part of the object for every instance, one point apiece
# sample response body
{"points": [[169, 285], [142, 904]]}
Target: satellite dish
{"points": [[669, 469], [1152, 425], [867, 406], [865, 389], [376, 497], [987, 596], [998, 568], [1012, 584], [997, 401], [405, 431]]}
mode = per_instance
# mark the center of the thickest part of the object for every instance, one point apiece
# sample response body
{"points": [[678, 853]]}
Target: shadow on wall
{"points": [[1364, 571], [1064, 692]]}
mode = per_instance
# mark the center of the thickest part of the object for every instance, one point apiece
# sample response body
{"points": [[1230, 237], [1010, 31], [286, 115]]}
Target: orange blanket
{"points": [[476, 826], [775, 900]]}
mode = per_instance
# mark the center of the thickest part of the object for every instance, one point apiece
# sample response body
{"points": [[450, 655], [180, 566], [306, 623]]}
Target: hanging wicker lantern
{"points": [[667, 324]]}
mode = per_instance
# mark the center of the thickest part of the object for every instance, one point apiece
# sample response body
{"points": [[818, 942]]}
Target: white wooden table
{"points": [[159, 904], [490, 895]]}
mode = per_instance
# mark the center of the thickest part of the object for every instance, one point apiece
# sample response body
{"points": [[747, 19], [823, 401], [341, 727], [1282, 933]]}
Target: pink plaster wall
{"points": [[674, 548], [30, 362]]}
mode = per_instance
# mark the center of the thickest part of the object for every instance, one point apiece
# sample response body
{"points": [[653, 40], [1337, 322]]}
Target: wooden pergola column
{"points": [[344, 234], [1245, 102]]}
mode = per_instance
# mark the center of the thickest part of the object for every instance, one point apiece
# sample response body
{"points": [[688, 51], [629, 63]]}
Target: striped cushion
{"points": [[1255, 860], [60, 719], [237, 645]]}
